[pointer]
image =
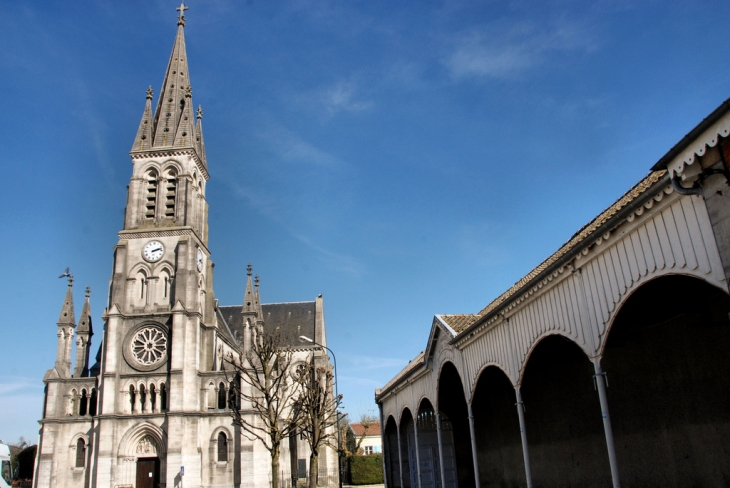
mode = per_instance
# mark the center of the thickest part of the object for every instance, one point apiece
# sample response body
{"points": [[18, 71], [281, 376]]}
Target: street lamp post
{"points": [[337, 413]]}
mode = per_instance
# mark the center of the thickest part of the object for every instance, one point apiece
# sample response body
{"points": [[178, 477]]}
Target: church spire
{"points": [[174, 118], [249, 302], [66, 324], [84, 331], [67, 316]]}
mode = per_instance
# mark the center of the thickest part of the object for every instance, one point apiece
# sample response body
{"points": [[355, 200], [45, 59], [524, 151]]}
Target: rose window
{"points": [[149, 345]]}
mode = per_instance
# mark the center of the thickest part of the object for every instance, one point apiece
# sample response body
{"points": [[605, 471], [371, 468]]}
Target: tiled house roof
{"points": [[359, 429]]}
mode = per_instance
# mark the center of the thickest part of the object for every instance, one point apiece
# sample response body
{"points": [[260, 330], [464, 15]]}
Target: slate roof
{"points": [[359, 429], [292, 319]]}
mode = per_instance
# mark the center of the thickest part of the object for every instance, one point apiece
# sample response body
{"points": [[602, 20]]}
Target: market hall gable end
{"points": [[155, 397], [607, 362]]}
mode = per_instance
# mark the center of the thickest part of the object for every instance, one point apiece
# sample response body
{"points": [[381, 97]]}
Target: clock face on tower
{"points": [[153, 251], [200, 260]]}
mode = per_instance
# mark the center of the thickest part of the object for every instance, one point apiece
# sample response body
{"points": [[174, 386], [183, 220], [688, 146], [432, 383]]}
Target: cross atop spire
{"points": [[181, 18]]}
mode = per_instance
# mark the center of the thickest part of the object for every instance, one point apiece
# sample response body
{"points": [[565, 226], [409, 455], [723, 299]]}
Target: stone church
{"points": [[151, 410]]}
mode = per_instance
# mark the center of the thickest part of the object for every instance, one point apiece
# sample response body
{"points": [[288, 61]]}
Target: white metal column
{"points": [[600, 382], [474, 456], [523, 436]]}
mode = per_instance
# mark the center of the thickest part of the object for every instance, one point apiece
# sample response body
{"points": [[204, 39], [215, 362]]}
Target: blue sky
{"points": [[401, 158]]}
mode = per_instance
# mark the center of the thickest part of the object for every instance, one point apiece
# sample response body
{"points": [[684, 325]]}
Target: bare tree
{"points": [[272, 393], [352, 447], [319, 414]]}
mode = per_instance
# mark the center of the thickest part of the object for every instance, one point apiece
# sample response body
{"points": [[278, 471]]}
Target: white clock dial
{"points": [[200, 260], [153, 250]]}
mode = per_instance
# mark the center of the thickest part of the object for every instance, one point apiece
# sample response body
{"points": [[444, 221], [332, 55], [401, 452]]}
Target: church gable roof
{"points": [[292, 319]]}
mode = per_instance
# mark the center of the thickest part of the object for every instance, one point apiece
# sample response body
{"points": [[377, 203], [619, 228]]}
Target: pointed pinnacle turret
{"points": [[257, 303], [67, 316], [249, 305], [199, 141], [85, 320], [83, 341], [144, 133]]}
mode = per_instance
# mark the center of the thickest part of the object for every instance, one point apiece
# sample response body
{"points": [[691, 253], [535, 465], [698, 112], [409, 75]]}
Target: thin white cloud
{"points": [[337, 262], [497, 51], [341, 98], [13, 384], [290, 147], [369, 363]]}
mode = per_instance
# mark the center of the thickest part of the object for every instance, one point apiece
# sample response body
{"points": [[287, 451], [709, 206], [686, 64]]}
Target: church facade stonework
{"points": [[152, 409]]}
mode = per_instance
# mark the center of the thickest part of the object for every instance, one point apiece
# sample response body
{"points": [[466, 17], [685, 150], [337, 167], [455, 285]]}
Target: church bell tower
{"points": [[160, 310]]}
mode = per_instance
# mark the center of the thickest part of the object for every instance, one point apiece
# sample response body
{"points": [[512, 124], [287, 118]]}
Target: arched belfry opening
{"points": [[666, 357], [453, 410], [497, 430], [563, 420]]}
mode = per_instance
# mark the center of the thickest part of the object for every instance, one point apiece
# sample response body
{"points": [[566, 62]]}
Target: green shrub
{"points": [[366, 470]]}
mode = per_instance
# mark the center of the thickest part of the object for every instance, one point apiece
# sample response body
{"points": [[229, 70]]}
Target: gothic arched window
{"points": [[221, 396], [222, 447], [80, 453], [132, 398], [163, 397], [151, 197], [83, 405], [142, 398], [142, 285]]}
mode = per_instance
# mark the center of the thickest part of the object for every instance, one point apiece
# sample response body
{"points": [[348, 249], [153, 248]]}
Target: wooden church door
{"points": [[148, 473]]}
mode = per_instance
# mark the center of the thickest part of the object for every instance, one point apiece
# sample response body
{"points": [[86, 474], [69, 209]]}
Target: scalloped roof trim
{"points": [[709, 138]]}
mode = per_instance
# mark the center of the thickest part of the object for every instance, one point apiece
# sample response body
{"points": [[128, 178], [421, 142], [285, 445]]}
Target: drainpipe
{"points": [[400, 457], [477, 481], [418, 459], [523, 436], [600, 381], [694, 190], [441, 449]]}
